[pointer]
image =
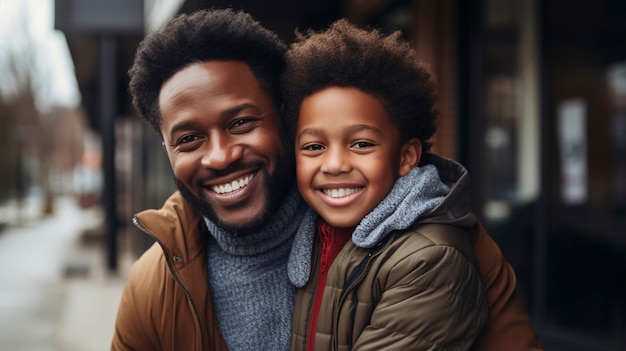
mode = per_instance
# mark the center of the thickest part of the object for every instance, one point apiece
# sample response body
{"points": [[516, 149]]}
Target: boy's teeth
{"points": [[234, 185], [340, 192]]}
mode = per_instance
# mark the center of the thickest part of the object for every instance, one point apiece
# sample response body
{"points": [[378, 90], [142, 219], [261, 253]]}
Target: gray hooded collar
{"points": [[411, 197]]}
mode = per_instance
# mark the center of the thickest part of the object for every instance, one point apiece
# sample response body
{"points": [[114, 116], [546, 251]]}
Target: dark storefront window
{"points": [[546, 102], [508, 142], [585, 60]]}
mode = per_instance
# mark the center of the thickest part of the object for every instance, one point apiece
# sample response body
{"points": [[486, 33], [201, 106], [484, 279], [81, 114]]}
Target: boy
{"points": [[393, 266]]}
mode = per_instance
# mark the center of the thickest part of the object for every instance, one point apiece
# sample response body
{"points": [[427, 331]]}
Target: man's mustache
{"points": [[233, 167]]}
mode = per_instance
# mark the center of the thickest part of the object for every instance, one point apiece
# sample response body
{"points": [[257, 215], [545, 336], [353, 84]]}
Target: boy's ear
{"points": [[410, 155]]}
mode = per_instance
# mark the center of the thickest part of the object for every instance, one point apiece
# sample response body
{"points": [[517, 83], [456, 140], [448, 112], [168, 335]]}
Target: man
{"points": [[216, 278]]}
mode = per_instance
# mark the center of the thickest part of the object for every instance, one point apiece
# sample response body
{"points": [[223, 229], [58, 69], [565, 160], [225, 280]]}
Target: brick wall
{"points": [[433, 35]]}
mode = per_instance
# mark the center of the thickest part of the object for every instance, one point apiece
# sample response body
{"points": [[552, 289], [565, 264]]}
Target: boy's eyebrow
{"points": [[308, 131], [360, 127], [352, 129]]}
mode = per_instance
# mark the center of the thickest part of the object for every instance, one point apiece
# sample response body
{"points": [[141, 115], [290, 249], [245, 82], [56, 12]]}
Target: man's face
{"points": [[221, 134]]}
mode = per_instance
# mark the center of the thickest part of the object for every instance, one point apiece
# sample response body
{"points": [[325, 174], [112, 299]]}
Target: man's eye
{"points": [[240, 122], [242, 125], [187, 139]]}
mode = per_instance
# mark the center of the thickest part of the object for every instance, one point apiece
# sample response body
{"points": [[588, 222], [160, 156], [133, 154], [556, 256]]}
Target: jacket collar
{"points": [[177, 227]]}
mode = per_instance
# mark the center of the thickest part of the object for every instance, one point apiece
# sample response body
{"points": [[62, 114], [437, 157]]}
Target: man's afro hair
{"points": [[217, 34]]}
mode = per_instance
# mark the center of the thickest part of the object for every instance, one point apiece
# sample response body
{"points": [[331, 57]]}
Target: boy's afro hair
{"points": [[384, 66], [217, 34]]}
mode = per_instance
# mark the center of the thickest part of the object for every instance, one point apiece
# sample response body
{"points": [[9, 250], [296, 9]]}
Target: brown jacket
{"points": [[166, 304], [508, 326]]}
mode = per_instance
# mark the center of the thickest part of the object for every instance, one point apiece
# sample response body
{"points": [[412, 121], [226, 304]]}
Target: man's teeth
{"points": [[234, 185], [340, 192]]}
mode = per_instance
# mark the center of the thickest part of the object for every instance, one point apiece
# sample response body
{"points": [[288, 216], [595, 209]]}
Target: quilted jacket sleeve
{"points": [[433, 299], [508, 326]]}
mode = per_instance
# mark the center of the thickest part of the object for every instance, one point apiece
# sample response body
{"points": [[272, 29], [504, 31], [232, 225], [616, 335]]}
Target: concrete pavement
{"points": [[55, 292]]}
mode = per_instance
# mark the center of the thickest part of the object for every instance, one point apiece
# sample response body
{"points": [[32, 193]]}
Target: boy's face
{"points": [[348, 154], [221, 134]]}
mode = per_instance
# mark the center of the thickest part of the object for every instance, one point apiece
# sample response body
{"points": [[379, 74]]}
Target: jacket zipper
{"points": [[356, 280], [324, 266], [170, 268]]}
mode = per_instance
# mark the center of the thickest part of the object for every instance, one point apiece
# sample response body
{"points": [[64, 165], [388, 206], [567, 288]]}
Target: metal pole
{"points": [[108, 108]]}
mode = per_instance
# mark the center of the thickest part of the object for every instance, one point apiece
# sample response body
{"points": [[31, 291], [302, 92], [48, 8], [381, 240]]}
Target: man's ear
{"points": [[410, 154]]}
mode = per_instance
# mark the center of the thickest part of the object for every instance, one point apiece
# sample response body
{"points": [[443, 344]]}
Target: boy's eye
{"points": [[362, 144], [312, 147]]}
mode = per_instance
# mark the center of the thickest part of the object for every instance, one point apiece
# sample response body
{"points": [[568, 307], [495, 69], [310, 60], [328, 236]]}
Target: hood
{"points": [[455, 209]]}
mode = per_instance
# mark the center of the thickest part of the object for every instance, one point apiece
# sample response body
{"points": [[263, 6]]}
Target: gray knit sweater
{"points": [[251, 293]]}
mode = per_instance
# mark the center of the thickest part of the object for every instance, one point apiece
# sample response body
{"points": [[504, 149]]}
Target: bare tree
{"points": [[24, 121]]}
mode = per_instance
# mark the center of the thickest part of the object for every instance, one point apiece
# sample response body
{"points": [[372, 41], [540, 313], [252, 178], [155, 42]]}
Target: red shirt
{"points": [[333, 240]]}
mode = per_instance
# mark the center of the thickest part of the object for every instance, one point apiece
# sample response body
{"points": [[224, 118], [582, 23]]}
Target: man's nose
{"points": [[221, 152]]}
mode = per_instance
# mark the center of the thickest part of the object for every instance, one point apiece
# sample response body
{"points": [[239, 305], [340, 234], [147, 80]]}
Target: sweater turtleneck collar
{"points": [[280, 228]]}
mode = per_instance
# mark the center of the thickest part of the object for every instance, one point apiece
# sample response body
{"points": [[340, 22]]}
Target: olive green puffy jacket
{"points": [[418, 290], [346, 325]]}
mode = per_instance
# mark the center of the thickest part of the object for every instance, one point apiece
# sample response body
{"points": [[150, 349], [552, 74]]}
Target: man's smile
{"points": [[234, 185]]}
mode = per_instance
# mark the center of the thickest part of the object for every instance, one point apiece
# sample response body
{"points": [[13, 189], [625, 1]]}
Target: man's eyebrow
{"points": [[236, 109], [226, 113], [180, 126]]}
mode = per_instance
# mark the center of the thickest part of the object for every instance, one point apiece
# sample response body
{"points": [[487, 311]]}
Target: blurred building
{"points": [[532, 101]]}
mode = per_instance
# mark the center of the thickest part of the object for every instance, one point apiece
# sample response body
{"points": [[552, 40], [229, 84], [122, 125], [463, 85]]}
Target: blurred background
{"points": [[532, 101]]}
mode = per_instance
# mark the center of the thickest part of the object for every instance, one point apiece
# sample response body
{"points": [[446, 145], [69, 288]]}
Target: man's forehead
{"points": [[214, 79], [200, 74]]}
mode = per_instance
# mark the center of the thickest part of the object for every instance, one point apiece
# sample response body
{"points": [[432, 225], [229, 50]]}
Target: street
{"points": [[54, 292]]}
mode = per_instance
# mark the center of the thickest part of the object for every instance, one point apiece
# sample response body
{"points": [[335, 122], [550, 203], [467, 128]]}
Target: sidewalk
{"points": [[55, 291]]}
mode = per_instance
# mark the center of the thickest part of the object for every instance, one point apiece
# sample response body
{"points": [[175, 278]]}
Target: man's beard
{"points": [[276, 186]]}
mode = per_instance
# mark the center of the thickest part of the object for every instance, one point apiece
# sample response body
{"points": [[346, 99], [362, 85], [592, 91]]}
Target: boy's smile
{"points": [[348, 154]]}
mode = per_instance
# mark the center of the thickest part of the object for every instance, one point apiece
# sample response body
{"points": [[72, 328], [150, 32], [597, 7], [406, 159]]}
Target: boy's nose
{"points": [[335, 162]]}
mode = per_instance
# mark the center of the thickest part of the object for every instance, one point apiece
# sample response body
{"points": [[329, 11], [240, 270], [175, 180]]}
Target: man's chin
{"points": [[237, 228]]}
